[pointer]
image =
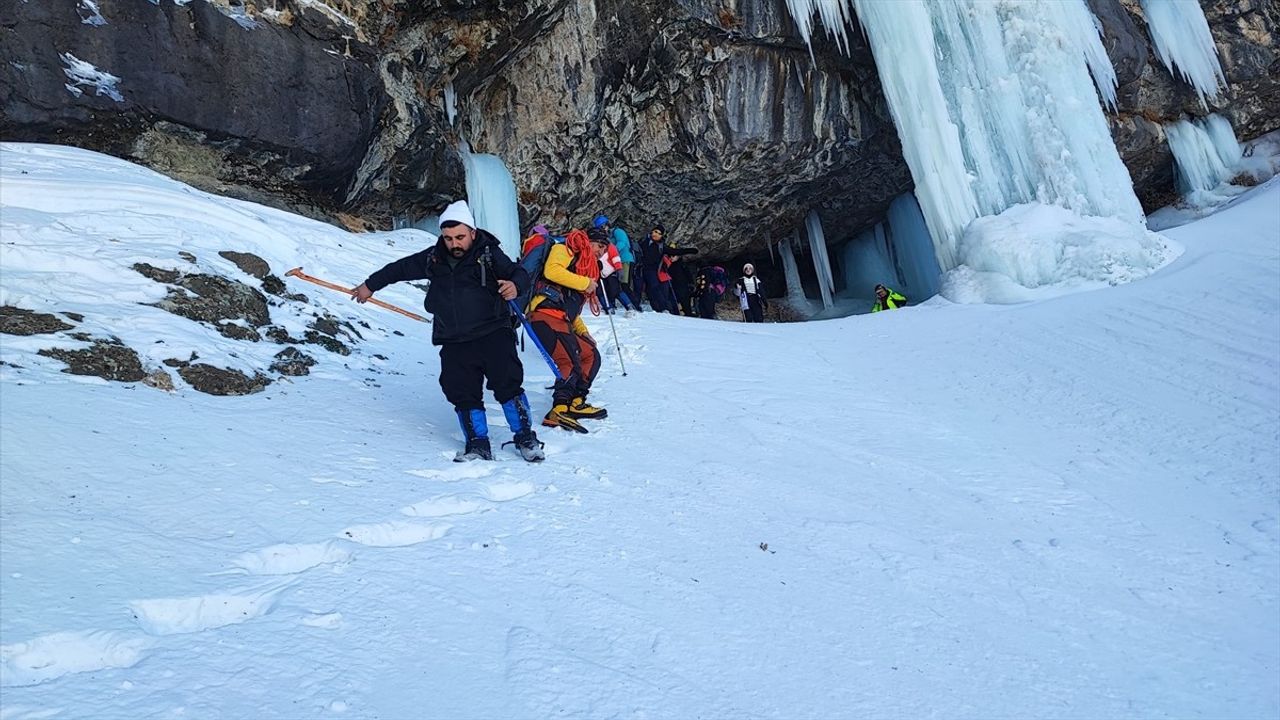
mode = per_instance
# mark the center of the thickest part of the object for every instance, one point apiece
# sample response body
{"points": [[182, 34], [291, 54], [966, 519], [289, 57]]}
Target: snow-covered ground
{"points": [[1065, 508]]}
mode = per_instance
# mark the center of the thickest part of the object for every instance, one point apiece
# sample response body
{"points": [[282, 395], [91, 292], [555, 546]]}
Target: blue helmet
{"points": [[600, 221]]}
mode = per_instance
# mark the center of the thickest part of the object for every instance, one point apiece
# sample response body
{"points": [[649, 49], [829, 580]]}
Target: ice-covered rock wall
{"points": [[995, 103]]}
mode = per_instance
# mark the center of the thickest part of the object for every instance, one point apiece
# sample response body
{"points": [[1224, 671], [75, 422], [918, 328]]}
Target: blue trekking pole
{"points": [[534, 337]]}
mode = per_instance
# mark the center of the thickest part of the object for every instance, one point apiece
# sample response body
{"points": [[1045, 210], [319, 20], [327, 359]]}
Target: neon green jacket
{"points": [[892, 301]]}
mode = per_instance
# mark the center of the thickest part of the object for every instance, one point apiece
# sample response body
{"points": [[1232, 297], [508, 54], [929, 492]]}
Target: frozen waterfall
{"points": [[1205, 151], [491, 193], [1181, 35], [997, 105]]}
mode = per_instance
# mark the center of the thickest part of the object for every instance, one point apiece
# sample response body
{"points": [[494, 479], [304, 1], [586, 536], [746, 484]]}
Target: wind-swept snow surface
{"points": [[1063, 508]]}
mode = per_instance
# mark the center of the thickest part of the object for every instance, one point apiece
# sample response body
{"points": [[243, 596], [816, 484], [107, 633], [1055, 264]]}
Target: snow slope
{"points": [[1065, 508]]}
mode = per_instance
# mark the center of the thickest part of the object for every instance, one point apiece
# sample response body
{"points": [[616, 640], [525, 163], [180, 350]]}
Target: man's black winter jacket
{"points": [[463, 298]]}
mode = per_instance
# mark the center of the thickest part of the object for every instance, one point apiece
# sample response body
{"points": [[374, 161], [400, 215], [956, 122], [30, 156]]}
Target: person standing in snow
{"points": [[682, 279], [708, 289], [570, 280], [472, 281], [887, 299], [625, 253], [610, 269], [751, 293], [653, 259]]}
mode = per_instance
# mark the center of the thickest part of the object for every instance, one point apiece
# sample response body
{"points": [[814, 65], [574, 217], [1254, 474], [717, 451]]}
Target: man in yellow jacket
{"points": [[888, 299], [569, 281]]}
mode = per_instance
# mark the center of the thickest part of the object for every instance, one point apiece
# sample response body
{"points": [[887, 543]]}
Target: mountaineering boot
{"points": [[476, 449], [528, 445], [526, 441], [559, 417], [475, 428], [579, 408]]}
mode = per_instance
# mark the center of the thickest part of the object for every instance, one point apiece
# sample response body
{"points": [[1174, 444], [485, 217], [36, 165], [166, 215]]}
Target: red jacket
{"points": [[663, 275]]}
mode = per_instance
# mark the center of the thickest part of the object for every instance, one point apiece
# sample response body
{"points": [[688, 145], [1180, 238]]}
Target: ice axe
{"points": [[297, 272]]}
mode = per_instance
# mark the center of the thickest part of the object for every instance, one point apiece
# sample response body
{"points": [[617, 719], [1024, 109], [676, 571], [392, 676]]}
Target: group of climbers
{"points": [[478, 296]]}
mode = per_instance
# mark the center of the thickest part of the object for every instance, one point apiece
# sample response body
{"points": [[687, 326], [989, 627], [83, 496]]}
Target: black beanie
{"points": [[660, 229], [597, 234]]}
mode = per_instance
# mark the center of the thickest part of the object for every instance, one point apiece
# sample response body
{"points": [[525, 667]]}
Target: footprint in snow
{"points": [[395, 533], [504, 491], [446, 505], [327, 621], [175, 616], [289, 559], [466, 503], [457, 471], [344, 483], [51, 656]]}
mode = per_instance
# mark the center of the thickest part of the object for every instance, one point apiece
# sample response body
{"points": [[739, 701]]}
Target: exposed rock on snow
{"points": [[248, 262], [107, 359], [222, 381], [211, 298], [292, 361], [20, 321]]}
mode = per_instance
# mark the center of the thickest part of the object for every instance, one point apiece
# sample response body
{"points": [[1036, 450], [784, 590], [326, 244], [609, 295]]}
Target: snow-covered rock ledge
{"points": [[116, 272]]}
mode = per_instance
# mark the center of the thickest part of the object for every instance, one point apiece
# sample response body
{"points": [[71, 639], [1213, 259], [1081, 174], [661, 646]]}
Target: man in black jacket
{"points": [[472, 281]]}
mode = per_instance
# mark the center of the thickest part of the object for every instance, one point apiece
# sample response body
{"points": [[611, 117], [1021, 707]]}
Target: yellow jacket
{"points": [[556, 271]]}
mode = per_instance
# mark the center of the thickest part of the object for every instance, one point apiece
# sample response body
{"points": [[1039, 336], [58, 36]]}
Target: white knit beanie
{"points": [[458, 212]]}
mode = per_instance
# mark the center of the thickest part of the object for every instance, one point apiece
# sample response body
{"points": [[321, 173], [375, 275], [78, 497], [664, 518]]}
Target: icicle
{"points": [[491, 193], [1182, 37], [791, 271], [1205, 152], [917, 262], [821, 263], [772, 260], [866, 264], [1224, 139], [451, 103]]}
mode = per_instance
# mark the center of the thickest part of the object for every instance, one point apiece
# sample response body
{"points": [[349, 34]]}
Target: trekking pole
{"points": [[609, 311], [534, 337], [297, 272]]}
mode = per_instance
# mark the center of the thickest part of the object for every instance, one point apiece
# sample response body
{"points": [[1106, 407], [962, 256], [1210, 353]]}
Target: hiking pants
{"points": [[615, 291], [755, 309], [575, 355], [659, 293], [464, 366], [707, 305]]}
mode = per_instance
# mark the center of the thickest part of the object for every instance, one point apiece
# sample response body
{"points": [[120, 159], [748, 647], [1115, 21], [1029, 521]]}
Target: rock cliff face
{"points": [[1150, 96], [707, 115], [204, 94]]}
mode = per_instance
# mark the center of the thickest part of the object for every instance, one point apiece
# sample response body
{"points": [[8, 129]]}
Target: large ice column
{"points": [[897, 252], [821, 261], [791, 272], [913, 248], [996, 104], [1182, 38], [491, 193], [1205, 152], [867, 261]]}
